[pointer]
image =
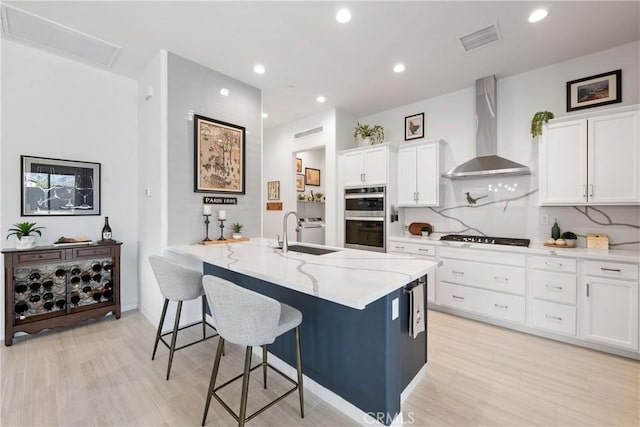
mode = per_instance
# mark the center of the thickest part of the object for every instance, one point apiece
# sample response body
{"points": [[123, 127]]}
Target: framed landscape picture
{"points": [[219, 156], [594, 91]]}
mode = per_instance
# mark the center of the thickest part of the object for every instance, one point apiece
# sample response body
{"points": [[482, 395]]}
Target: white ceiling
{"points": [[302, 45]]}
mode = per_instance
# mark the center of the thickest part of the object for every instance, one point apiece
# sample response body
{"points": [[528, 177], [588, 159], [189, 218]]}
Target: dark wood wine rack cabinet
{"points": [[50, 287]]}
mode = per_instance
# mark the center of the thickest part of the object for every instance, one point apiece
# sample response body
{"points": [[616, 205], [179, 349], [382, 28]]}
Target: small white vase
{"points": [[237, 235], [425, 234], [27, 242]]}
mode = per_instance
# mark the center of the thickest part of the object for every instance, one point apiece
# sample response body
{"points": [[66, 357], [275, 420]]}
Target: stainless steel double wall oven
{"points": [[365, 218]]}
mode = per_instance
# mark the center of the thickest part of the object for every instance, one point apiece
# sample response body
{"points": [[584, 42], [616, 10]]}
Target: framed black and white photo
{"points": [[594, 91], [414, 127], [59, 187]]}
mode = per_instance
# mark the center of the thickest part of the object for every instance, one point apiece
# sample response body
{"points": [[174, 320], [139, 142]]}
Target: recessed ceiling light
{"points": [[321, 99], [343, 16], [265, 116], [259, 69], [398, 68], [224, 91], [538, 15]]}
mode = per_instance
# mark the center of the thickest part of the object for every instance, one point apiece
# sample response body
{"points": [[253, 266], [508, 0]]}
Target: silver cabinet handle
{"points": [[590, 190], [501, 279], [457, 297], [587, 290], [362, 177], [399, 247], [424, 250], [457, 273], [504, 307], [548, 316], [417, 196], [616, 270], [553, 264], [584, 191], [553, 287]]}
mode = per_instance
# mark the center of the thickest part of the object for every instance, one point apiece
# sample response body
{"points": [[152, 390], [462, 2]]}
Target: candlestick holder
{"points": [[221, 229], [206, 223]]}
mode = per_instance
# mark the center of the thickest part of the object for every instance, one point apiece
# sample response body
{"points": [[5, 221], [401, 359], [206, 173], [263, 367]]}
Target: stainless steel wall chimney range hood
{"points": [[487, 162]]}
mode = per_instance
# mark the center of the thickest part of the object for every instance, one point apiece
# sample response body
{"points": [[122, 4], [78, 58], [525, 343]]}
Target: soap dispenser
{"points": [[555, 230]]}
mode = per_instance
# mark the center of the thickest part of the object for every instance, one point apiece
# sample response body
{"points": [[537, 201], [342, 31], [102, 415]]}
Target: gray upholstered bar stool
{"points": [[249, 319], [177, 283]]}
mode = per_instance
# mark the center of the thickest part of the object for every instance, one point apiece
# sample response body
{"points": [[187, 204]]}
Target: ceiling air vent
{"points": [[481, 38], [44, 33], [308, 132]]}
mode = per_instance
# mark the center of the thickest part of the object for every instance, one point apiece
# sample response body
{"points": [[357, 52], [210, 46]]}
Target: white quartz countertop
{"points": [[349, 277], [533, 249]]}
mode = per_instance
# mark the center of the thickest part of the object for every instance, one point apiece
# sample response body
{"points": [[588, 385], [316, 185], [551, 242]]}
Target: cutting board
{"points": [[220, 242], [415, 228]]}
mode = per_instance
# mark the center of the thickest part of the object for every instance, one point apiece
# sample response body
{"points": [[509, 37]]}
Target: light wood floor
{"points": [[100, 373]]}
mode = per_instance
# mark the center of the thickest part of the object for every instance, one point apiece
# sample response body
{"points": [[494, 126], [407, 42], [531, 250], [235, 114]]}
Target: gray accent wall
{"points": [[193, 87]]}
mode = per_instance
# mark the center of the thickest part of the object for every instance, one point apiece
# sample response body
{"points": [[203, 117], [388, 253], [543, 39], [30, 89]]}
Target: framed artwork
{"points": [[594, 91], [219, 156], [273, 190], [299, 182], [414, 127], [298, 164], [312, 176], [56, 187]]}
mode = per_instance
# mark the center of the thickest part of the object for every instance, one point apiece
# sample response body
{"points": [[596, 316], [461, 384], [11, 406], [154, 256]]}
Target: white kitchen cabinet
{"points": [[593, 160], [419, 174], [610, 302], [421, 250], [365, 166]]}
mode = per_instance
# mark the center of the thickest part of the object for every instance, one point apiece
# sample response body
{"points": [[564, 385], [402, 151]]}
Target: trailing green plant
{"points": [[22, 229], [237, 227], [375, 133], [537, 121], [569, 235]]}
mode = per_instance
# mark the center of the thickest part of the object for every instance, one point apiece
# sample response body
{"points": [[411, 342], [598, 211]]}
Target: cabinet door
{"points": [[428, 175], [353, 169], [375, 166], [563, 165], [614, 159], [407, 176], [610, 312]]}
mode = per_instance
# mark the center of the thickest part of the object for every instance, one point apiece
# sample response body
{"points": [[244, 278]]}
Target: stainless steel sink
{"points": [[310, 250]]}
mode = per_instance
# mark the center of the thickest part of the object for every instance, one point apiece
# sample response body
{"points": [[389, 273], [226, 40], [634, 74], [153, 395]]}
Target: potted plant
{"points": [[237, 230], [426, 230], [318, 197], [569, 238], [538, 119], [368, 134], [25, 232], [302, 196]]}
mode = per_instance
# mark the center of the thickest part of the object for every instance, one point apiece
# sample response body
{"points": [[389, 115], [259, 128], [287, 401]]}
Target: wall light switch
{"points": [[395, 309], [147, 192], [544, 219]]}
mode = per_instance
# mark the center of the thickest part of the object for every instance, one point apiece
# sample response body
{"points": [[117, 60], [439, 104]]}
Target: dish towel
{"points": [[417, 310]]}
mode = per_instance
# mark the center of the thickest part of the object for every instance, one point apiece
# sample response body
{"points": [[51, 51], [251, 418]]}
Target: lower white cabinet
{"points": [[421, 250], [487, 303], [554, 317]]}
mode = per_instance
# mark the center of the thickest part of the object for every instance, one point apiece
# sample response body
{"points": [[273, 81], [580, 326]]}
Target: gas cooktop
{"points": [[486, 240]]}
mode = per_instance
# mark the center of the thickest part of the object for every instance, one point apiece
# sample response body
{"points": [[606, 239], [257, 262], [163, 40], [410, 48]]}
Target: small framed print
{"points": [[299, 182], [414, 127], [594, 91], [298, 164], [273, 190], [312, 176]]}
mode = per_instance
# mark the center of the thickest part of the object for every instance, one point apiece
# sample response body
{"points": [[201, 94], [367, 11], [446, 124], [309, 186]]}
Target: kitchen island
{"points": [[355, 304]]}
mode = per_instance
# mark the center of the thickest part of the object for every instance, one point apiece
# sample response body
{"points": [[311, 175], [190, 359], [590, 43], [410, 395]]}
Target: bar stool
{"points": [[177, 283], [250, 319]]}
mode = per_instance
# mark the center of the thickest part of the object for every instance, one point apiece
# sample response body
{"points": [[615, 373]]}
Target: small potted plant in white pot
{"points": [[237, 230], [569, 238], [368, 134], [25, 232], [426, 230]]}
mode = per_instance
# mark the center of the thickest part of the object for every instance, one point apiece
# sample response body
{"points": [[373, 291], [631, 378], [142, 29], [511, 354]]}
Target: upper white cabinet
{"points": [[419, 174], [591, 160], [365, 166]]}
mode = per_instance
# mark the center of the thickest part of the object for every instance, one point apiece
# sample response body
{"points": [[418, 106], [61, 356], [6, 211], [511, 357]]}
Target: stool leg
{"points": [[299, 369], [245, 388], [172, 349], [204, 317], [214, 375], [159, 333], [264, 365]]}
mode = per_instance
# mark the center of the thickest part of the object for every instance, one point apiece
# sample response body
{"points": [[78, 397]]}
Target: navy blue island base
{"points": [[363, 356]]}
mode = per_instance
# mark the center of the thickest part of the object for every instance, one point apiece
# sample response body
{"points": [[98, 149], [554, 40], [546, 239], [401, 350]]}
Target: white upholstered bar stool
{"points": [[249, 319], [177, 283]]}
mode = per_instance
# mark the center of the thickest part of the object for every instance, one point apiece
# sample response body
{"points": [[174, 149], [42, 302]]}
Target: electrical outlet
{"points": [[395, 309], [544, 219]]}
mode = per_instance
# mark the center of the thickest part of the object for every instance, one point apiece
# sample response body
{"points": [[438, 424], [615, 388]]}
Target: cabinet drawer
{"points": [[554, 317], [412, 248], [40, 256], [613, 270], [487, 303], [91, 252], [489, 276], [554, 263], [483, 256], [557, 287]]}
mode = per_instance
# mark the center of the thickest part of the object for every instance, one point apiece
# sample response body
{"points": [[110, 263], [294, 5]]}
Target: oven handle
{"points": [[364, 196], [364, 218]]}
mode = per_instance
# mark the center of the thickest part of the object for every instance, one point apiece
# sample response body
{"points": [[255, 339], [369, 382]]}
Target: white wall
{"points": [[60, 108], [451, 117]]}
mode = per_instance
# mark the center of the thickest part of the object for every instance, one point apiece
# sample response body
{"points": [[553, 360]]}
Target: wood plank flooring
{"points": [[100, 373]]}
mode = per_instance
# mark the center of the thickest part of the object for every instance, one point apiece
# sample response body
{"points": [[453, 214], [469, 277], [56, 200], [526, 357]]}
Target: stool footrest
{"points": [[191, 343]]}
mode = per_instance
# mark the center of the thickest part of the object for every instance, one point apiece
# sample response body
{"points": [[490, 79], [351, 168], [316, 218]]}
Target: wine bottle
{"points": [[60, 272], [47, 284], [107, 293], [97, 277], [75, 298], [86, 276], [106, 230], [96, 267], [48, 305], [35, 286], [21, 308], [35, 275], [21, 287], [107, 266], [61, 303], [75, 270]]}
